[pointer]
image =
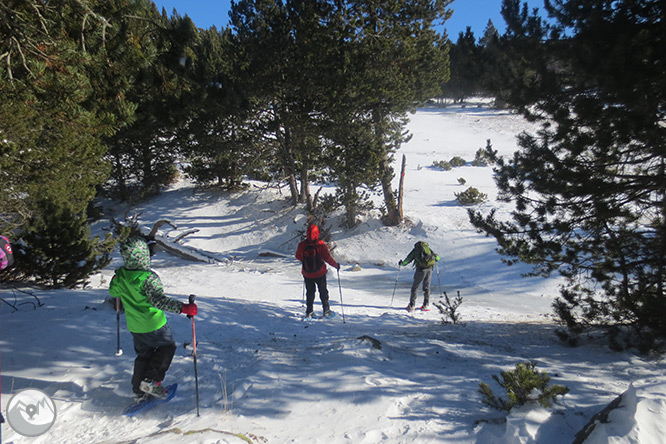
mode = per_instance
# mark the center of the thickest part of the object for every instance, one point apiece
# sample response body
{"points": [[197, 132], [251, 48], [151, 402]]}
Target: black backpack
{"points": [[425, 258], [312, 262]]}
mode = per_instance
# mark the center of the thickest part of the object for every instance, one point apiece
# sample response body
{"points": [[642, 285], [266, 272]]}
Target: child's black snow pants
{"points": [[154, 352]]}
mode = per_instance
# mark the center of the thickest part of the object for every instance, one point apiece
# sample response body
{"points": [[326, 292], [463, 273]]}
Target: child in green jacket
{"points": [[140, 290]]}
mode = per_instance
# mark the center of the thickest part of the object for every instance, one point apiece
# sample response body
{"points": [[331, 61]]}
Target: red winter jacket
{"points": [[322, 249]]}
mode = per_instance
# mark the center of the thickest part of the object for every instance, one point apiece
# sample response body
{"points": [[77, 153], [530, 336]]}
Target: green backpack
{"points": [[425, 258]]}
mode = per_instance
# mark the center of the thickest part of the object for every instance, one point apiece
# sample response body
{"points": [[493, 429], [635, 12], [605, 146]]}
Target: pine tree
{"points": [[490, 35], [590, 187], [153, 69], [57, 249], [220, 140], [466, 68], [310, 67], [523, 385], [65, 86], [394, 60], [278, 48], [50, 144], [514, 64]]}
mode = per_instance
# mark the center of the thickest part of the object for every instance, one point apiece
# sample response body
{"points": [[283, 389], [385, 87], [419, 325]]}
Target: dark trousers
{"points": [[421, 276], [310, 284], [154, 352]]}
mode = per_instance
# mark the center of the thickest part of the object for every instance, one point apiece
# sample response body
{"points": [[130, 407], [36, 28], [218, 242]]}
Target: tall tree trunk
{"points": [[287, 160], [393, 215], [121, 179], [305, 188], [401, 188], [293, 187], [351, 205]]}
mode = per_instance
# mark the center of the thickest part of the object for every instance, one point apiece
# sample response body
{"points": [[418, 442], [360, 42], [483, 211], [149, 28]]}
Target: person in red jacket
{"points": [[313, 252]]}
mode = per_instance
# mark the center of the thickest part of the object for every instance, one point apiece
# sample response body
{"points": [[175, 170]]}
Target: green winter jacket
{"points": [[140, 289], [416, 252]]}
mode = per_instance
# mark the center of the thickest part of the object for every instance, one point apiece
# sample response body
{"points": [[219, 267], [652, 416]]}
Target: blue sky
{"points": [[473, 13]]}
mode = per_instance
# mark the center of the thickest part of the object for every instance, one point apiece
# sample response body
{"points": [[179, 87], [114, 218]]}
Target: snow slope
{"points": [[372, 374]]}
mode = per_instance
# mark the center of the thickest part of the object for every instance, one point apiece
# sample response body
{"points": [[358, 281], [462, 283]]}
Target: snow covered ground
{"points": [[374, 373]]}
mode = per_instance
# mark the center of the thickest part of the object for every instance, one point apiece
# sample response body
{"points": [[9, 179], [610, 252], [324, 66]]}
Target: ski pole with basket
{"points": [[194, 354]]}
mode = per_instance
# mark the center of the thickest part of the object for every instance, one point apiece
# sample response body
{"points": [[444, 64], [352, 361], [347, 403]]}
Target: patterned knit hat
{"points": [[135, 254]]}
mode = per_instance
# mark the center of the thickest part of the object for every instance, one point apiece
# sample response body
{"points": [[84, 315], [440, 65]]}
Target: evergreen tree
{"points": [[466, 68], [57, 250], [220, 140], [395, 61], [50, 144], [353, 160], [350, 180], [490, 50], [279, 47], [590, 187], [515, 64], [309, 66], [490, 35], [143, 153], [65, 87]]}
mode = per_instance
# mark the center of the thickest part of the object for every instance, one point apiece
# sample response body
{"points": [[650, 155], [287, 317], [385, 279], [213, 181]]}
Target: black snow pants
{"points": [[310, 283], [154, 352]]}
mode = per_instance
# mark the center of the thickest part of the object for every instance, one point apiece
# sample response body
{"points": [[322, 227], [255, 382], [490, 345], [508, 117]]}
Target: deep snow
{"points": [[266, 376]]}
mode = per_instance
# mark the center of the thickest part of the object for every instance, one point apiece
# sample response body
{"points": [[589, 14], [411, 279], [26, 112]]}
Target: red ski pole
{"points": [[194, 355]]}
